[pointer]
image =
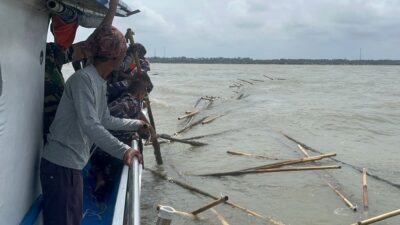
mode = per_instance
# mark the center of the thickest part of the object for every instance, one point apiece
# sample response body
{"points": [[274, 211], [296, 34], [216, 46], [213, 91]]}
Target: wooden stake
{"points": [[193, 143], [212, 204], [189, 126], [188, 115], [353, 207], [303, 150], [251, 155], [365, 189], [220, 217], [194, 189], [246, 81], [238, 173], [257, 80], [378, 218], [292, 162], [268, 77], [211, 119]]}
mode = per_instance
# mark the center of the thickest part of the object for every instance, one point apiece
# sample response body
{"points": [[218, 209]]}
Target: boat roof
{"points": [[99, 7]]}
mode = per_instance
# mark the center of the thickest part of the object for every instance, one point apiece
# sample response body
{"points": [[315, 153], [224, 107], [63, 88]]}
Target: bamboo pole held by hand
{"points": [[365, 189], [378, 218], [212, 204]]}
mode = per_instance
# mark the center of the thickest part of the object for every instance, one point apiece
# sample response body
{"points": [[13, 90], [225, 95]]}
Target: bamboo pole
{"points": [[189, 126], [220, 217], [194, 189], [353, 207], [193, 143], [188, 115], [156, 145], [338, 193], [365, 189], [268, 77], [303, 150], [211, 119], [246, 81], [271, 166], [292, 162], [212, 204], [378, 218], [251, 155], [257, 80], [238, 173]]}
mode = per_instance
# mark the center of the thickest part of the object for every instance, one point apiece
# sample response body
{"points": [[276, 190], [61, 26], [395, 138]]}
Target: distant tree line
{"points": [[221, 60]]}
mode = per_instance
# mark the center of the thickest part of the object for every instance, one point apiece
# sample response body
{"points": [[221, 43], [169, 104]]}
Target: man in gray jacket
{"points": [[82, 119]]}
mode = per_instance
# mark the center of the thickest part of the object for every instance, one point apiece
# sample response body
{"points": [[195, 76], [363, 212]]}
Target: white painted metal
{"points": [[118, 217], [22, 40], [136, 197]]}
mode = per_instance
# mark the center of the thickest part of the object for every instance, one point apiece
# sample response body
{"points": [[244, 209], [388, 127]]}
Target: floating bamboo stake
{"points": [[220, 217], [193, 143], [188, 115], [212, 204], [234, 86], [292, 162], [268, 77], [246, 81], [189, 126], [251, 155], [211, 119], [238, 173], [378, 218], [353, 207], [194, 189], [365, 189], [303, 150], [257, 80]]}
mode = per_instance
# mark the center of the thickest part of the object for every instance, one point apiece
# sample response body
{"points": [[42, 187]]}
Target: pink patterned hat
{"points": [[106, 42]]}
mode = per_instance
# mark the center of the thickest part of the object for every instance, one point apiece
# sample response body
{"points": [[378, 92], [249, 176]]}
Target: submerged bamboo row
{"points": [[197, 190], [189, 126]]}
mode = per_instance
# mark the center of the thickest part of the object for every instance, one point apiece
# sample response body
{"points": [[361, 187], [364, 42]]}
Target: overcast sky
{"points": [[266, 29]]}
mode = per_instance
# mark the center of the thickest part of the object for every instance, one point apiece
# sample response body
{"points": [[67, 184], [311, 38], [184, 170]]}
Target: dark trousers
{"points": [[62, 194]]}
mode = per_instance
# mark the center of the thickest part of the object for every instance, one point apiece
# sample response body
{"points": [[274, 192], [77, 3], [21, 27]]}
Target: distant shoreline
{"points": [[185, 60]]}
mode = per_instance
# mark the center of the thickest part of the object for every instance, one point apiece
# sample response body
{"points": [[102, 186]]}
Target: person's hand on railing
{"points": [[130, 154]]}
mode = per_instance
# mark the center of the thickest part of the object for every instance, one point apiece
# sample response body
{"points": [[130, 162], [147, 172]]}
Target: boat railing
{"points": [[127, 206]]}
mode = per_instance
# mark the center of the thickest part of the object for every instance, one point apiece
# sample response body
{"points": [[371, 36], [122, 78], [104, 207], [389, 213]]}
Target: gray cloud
{"points": [[267, 28]]}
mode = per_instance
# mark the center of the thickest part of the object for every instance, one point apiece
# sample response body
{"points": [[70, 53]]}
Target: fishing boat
{"points": [[23, 38]]}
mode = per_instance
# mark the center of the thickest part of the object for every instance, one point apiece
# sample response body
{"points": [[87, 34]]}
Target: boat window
{"points": [[1, 82]]}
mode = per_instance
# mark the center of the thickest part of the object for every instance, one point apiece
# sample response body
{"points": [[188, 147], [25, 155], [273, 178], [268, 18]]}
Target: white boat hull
{"points": [[23, 37]]}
